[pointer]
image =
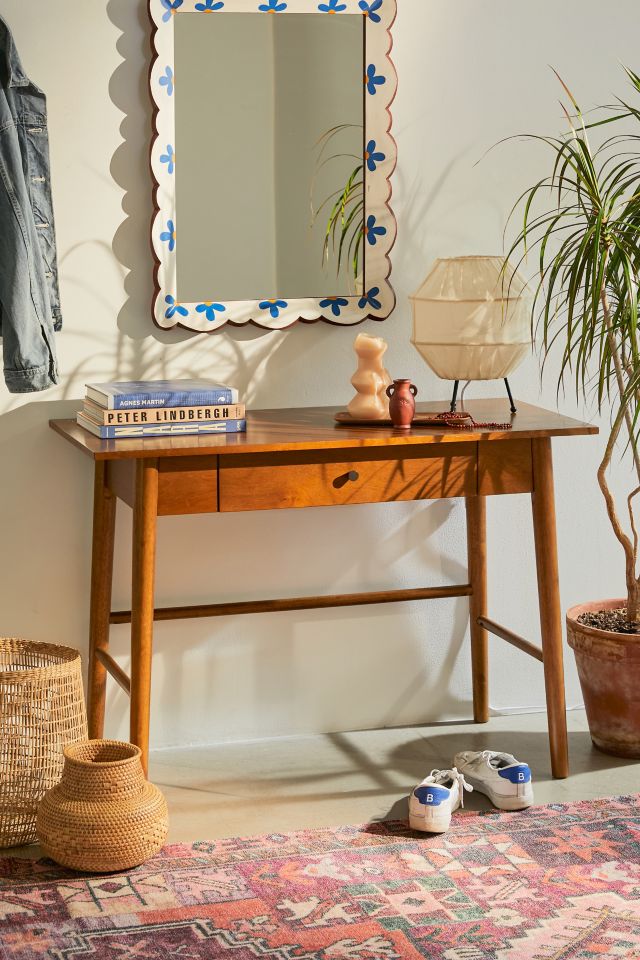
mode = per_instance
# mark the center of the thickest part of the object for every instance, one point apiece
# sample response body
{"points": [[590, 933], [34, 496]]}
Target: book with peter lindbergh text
{"points": [[102, 416], [140, 430], [138, 394]]}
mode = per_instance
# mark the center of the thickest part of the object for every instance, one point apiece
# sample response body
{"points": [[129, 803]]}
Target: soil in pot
{"points": [[613, 620]]}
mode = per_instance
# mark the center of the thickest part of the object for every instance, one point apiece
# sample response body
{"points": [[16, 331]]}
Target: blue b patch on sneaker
{"points": [[519, 774], [430, 795]]}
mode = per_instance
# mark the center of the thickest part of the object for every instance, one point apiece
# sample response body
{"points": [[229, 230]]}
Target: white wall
{"points": [[470, 74]]}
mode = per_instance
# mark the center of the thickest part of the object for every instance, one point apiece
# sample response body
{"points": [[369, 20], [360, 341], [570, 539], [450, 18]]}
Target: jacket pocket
{"points": [[39, 190]]}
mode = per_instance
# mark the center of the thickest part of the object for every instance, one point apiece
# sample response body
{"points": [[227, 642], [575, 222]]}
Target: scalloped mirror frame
{"points": [[380, 85]]}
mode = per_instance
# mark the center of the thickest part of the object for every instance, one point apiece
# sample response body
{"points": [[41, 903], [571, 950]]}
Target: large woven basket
{"points": [[103, 816], [41, 711]]}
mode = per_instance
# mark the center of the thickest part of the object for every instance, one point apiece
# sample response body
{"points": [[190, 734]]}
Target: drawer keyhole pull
{"points": [[352, 476]]}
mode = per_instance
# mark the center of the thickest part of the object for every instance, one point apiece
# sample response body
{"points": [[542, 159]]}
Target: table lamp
{"points": [[472, 320]]}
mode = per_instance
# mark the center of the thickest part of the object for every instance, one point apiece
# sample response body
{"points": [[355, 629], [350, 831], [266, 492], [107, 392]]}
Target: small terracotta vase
{"points": [[104, 815], [402, 406]]}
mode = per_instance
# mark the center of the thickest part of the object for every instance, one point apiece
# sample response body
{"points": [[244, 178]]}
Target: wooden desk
{"points": [[299, 458]]}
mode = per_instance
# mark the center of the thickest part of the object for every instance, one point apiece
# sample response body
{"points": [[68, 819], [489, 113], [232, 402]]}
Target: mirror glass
{"points": [[269, 129]]}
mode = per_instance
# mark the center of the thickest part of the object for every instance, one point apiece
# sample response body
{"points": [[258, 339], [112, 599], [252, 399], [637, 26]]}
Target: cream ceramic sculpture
{"points": [[370, 380]]}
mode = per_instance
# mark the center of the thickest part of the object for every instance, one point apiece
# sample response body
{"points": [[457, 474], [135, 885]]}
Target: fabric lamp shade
{"points": [[472, 318]]}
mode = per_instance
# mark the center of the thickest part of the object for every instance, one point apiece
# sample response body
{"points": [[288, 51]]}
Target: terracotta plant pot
{"points": [[103, 816], [609, 670]]}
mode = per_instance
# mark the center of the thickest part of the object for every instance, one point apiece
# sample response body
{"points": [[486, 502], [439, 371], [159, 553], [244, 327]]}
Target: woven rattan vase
{"points": [[103, 816], [41, 710]]}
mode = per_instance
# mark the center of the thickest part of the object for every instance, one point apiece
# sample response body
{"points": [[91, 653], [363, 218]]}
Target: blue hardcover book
{"points": [[136, 430], [134, 394]]}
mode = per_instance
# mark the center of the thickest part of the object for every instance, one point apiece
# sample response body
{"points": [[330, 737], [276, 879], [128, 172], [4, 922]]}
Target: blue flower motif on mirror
{"points": [[373, 80], [332, 6], [166, 80], [171, 7], [373, 156], [369, 9], [372, 232], [272, 6], [209, 6], [168, 236], [369, 299], [273, 306], [210, 309], [169, 158], [335, 304], [174, 307]]}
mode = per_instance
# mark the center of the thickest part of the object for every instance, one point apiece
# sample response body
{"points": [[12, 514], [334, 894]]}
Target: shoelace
{"points": [[437, 776], [490, 755]]}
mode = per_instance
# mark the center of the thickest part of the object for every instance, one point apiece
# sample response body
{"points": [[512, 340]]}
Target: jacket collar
{"points": [[12, 72]]}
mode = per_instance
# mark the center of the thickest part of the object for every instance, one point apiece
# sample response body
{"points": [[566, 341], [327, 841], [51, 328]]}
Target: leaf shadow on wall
{"points": [[424, 233]]}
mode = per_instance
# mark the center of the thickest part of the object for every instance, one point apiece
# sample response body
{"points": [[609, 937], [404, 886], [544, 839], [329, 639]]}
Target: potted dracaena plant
{"points": [[582, 224]]}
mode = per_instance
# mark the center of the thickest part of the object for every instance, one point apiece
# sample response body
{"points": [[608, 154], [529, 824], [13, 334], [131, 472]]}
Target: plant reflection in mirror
{"points": [[344, 232]]}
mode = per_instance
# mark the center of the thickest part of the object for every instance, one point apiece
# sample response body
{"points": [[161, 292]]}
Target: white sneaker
{"points": [[505, 780], [433, 801]]}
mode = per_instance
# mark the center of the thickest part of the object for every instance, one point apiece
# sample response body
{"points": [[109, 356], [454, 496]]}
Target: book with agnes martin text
{"points": [[132, 394]]}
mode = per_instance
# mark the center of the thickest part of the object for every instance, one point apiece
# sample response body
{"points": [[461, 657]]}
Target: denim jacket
{"points": [[29, 299]]}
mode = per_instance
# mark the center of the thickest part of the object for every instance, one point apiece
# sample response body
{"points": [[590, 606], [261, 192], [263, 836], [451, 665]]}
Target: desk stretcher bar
{"points": [[312, 603], [298, 603]]}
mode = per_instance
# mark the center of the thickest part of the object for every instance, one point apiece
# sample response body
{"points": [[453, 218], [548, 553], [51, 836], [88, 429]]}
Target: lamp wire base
{"points": [[456, 387]]}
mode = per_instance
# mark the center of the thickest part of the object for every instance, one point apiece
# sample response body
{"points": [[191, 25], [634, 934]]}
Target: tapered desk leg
{"points": [[104, 518], [544, 528], [477, 562], [145, 513]]}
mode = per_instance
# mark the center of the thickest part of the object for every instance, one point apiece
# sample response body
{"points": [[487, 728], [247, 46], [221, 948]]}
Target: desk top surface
{"points": [[314, 428]]}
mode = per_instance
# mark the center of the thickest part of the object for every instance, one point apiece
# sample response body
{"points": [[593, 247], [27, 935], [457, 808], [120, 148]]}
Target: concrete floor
{"points": [[346, 778]]}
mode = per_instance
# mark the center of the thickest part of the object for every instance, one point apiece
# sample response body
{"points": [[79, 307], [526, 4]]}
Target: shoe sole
{"points": [[432, 825], [498, 800]]}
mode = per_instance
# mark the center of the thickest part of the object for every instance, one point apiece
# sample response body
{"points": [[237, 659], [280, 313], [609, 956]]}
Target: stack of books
{"points": [[160, 408]]}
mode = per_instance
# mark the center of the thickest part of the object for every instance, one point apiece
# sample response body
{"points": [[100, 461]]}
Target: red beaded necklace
{"points": [[464, 421]]}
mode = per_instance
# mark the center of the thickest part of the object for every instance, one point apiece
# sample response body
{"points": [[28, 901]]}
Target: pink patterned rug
{"points": [[560, 882]]}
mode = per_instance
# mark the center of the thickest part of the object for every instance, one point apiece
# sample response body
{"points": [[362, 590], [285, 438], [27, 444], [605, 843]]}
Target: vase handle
{"points": [[414, 389], [391, 389]]}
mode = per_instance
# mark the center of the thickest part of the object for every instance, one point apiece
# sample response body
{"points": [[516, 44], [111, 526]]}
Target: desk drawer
{"points": [[185, 484], [281, 481]]}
